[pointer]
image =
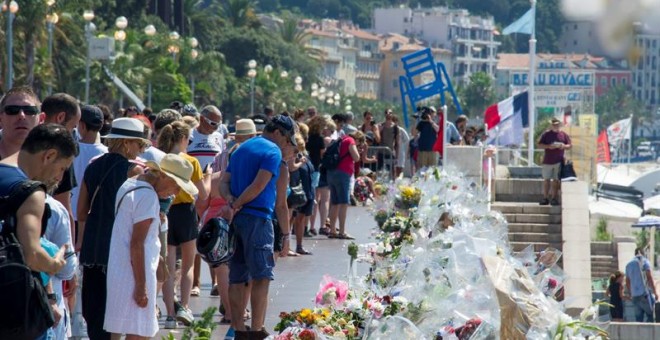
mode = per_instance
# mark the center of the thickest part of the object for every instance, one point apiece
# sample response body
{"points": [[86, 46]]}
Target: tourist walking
{"points": [[639, 281]]}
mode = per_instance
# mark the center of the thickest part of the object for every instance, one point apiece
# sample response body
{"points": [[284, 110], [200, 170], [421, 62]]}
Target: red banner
{"points": [[603, 149]]}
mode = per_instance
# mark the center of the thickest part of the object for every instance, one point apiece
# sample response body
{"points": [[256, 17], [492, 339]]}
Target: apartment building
{"points": [[579, 37], [471, 39], [646, 70]]}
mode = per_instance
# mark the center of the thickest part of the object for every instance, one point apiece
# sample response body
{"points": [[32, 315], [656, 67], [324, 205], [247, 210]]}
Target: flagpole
{"points": [[629, 143], [532, 77]]}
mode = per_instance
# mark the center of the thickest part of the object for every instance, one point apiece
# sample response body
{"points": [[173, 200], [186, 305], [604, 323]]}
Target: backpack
{"points": [[331, 157], [30, 314]]}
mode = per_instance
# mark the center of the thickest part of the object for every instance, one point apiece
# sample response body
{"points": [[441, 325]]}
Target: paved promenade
{"points": [[296, 278]]}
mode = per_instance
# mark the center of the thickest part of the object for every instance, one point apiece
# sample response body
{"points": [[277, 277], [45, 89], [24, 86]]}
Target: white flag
{"points": [[619, 131]]}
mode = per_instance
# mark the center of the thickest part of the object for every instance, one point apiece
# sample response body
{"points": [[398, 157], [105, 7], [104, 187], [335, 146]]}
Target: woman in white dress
{"points": [[131, 299]]}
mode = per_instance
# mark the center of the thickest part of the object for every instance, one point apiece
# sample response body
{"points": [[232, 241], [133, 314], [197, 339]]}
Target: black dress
{"points": [[615, 300]]}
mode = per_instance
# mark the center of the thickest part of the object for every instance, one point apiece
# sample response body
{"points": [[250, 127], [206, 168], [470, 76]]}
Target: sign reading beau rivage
{"points": [[556, 73]]}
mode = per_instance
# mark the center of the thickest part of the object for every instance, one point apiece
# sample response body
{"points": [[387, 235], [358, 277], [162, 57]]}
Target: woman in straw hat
{"points": [[96, 214], [135, 247]]}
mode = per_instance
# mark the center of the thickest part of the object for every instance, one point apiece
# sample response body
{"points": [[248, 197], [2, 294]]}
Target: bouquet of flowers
{"points": [[381, 217], [408, 197]]}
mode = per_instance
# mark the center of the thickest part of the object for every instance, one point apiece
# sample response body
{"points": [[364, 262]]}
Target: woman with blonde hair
{"points": [[182, 222]]}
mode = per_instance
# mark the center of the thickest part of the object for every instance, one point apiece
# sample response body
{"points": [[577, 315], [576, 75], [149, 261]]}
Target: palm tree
{"points": [[291, 33], [240, 13]]}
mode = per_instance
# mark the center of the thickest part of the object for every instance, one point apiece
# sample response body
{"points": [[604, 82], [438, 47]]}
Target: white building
{"points": [[469, 38], [337, 55], [579, 37], [646, 71]]}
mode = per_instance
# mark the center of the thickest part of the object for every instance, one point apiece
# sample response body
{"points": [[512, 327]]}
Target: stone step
{"points": [[525, 208], [538, 246], [535, 237], [603, 248], [533, 218], [534, 228], [518, 190]]}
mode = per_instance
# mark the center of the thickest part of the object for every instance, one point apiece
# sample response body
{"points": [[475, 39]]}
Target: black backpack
{"points": [[26, 313], [331, 157]]}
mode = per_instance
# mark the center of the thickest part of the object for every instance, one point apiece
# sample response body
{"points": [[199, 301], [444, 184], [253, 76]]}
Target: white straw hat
{"points": [[128, 128]]}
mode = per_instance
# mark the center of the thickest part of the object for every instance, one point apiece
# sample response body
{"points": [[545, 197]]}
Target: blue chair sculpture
{"points": [[415, 64]]}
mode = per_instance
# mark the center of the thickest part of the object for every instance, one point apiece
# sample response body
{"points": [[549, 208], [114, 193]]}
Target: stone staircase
{"points": [[529, 223], [603, 259]]}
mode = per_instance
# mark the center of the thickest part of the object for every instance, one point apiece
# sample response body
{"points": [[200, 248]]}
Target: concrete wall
{"points": [[577, 244], [633, 330]]}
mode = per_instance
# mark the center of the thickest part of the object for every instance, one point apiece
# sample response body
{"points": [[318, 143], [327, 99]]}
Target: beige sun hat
{"points": [[245, 127], [177, 168]]}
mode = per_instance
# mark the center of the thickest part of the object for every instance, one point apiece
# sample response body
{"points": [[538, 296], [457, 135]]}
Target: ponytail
{"points": [[171, 134]]}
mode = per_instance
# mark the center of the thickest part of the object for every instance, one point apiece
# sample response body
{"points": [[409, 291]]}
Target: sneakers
{"points": [[215, 291], [185, 316], [170, 323], [544, 201], [554, 202], [302, 251], [230, 334]]}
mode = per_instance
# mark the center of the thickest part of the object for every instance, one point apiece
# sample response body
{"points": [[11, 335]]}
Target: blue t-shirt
{"points": [[255, 154], [10, 176], [634, 273]]}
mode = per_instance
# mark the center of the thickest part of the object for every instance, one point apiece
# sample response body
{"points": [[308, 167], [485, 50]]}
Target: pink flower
{"points": [[331, 292], [552, 283]]}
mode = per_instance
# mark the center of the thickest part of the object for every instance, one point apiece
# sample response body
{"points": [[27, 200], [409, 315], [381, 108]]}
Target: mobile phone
{"points": [[206, 167], [69, 254]]}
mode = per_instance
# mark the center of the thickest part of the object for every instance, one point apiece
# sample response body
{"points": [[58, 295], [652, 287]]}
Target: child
{"points": [[364, 186], [616, 295]]}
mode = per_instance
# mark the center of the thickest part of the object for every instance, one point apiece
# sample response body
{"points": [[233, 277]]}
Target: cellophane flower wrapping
{"points": [[430, 279]]}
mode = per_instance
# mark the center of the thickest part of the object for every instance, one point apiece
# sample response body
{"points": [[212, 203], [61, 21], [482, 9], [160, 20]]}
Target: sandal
{"points": [[302, 251], [333, 235], [313, 232], [194, 291], [292, 253], [345, 237], [247, 315], [225, 321], [324, 231]]}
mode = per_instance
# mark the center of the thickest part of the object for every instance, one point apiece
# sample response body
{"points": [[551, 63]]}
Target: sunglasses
{"points": [[212, 123], [13, 110]]}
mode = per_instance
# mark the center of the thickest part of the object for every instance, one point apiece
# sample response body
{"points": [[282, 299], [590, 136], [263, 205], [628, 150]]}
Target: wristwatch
{"points": [[52, 297]]}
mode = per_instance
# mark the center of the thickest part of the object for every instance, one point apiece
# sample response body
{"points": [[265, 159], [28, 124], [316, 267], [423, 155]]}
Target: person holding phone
{"points": [[369, 127], [426, 133], [554, 142]]}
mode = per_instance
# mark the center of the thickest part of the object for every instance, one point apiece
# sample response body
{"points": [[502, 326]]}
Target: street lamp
{"points": [[120, 35], [268, 69], [51, 20], [88, 15], [298, 82], [11, 13], [193, 55], [348, 105], [252, 73], [150, 31], [284, 74], [173, 49]]}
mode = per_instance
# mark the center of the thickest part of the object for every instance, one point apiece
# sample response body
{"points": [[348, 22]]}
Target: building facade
{"points": [[471, 39], [579, 37], [646, 70]]}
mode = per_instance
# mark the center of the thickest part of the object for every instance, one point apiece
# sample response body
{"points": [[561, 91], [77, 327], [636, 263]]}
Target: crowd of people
{"points": [[127, 196]]}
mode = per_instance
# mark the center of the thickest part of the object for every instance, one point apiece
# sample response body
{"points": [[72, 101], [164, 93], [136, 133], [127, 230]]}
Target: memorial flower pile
{"points": [[440, 267]]}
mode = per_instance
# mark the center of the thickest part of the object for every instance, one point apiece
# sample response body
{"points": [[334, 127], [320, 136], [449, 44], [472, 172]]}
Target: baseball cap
{"points": [[555, 121], [288, 125], [92, 116]]}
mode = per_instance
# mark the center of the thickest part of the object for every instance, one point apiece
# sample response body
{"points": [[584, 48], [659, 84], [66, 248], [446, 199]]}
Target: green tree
{"points": [[477, 94], [240, 13], [618, 103]]}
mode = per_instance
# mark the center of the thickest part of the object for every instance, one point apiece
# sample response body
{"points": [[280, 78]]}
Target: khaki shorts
{"points": [[427, 158], [550, 171]]}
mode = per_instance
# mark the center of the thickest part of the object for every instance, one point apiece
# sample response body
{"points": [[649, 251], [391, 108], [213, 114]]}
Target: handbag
{"points": [[649, 296], [297, 197], [567, 172]]}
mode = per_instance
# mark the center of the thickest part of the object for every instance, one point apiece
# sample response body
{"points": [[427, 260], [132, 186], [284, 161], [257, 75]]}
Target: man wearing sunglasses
{"points": [[207, 142], [19, 114]]}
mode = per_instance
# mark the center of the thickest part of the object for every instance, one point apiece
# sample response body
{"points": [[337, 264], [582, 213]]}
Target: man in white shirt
{"points": [[206, 141]]}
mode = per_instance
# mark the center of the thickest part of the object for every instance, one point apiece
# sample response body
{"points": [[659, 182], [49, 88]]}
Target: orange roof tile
{"points": [[358, 33], [316, 32]]}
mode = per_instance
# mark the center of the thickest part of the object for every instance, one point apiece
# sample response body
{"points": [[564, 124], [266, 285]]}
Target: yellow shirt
{"points": [[182, 196]]}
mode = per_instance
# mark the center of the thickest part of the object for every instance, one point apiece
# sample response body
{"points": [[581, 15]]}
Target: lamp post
{"points": [[51, 20], [150, 31], [120, 35], [193, 55], [88, 15], [348, 105], [11, 13], [173, 48], [252, 73]]}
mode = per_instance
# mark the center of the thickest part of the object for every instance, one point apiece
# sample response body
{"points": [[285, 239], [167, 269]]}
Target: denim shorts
{"points": [[253, 255], [340, 185], [316, 176]]}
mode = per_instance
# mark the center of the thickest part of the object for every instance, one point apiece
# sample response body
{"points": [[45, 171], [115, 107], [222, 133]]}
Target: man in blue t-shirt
{"points": [[639, 281], [249, 185]]}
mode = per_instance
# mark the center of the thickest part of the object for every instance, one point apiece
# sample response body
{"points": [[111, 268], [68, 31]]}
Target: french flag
{"points": [[507, 119]]}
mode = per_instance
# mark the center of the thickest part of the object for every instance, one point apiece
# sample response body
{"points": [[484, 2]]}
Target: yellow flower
{"points": [[341, 322], [305, 313], [326, 313]]}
